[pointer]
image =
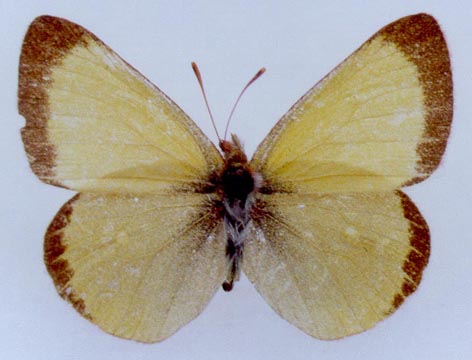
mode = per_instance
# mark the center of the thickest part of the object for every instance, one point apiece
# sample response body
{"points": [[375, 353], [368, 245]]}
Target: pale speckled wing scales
{"points": [[378, 121], [335, 246], [335, 264], [94, 123], [139, 266]]}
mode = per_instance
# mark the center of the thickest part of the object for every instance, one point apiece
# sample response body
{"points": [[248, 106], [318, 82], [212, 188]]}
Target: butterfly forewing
{"points": [[94, 123], [378, 121]]}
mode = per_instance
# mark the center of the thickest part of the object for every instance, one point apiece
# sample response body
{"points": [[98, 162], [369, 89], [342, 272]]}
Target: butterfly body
{"points": [[236, 186], [316, 219]]}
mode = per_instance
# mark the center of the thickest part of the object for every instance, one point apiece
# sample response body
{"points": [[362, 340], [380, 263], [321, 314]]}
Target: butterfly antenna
{"points": [[254, 78], [200, 82]]}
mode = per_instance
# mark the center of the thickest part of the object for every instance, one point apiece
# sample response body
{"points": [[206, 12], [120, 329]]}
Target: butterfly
{"points": [[316, 219]]}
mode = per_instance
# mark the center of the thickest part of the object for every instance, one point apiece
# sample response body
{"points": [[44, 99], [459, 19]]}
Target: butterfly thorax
{"points": [[238, 183]]}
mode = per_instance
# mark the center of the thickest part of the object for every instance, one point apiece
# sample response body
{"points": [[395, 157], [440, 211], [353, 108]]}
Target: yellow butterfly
{"points": [[315, 219]]}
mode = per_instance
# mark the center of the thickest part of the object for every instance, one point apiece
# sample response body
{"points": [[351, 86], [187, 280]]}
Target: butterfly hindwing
{"points": [[336, 264], [94, 123], [378, 121], [139, 266]]}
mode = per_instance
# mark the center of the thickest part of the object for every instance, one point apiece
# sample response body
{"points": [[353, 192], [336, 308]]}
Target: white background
{"points": [[298, 42]]}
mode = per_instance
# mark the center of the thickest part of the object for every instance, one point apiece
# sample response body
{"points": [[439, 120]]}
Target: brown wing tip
{"points": [[46, 42], [418, 257], [420, 38], [59, 268]]}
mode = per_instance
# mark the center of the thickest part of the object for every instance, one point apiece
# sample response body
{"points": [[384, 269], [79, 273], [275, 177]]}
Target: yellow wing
{"points": [[140, 253], [336, 264], [378, 121], [94, 123], [138, 266], [334, 246]]}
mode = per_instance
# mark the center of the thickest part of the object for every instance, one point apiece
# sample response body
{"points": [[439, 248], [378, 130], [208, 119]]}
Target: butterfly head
{"points": [[237, 178], [233, 150]]}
